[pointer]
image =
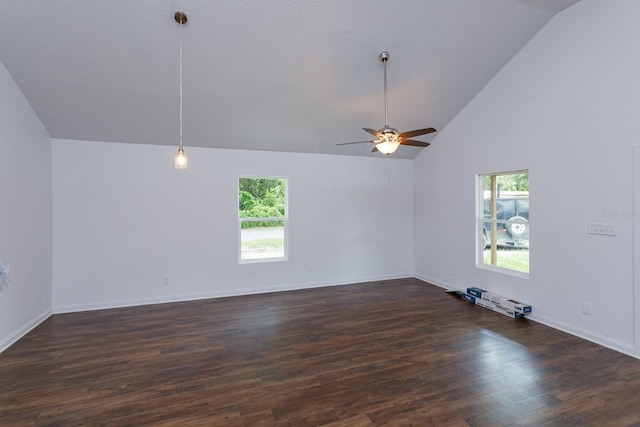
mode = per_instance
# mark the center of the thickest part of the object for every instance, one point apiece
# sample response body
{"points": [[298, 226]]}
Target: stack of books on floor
{"points": [[495, 302]]}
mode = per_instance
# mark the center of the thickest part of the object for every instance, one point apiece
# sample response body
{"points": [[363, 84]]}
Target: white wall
{"points": [[123, 218], [566, 108], [25, 214]]}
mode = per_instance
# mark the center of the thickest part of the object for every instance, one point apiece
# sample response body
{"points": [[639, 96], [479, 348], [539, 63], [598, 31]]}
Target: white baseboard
{"points": [[216, 294], [13, 338], [619, 346], [438, 283]]}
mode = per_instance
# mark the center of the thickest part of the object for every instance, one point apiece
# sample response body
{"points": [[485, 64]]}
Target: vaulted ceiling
{"points": [[279, 75]]}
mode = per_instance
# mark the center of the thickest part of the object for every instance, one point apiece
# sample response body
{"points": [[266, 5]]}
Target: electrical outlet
{"points": [[601, 229], [454, 271], [586, 308], [165, 280]]}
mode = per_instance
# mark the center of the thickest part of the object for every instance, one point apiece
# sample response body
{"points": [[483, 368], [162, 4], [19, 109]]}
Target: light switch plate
{"points": [[601, 229]]}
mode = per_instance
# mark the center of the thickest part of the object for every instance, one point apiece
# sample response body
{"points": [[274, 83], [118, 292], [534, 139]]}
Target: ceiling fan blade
{"points": [[356, 142], [417, 132], [373, 132], [414, 143]]}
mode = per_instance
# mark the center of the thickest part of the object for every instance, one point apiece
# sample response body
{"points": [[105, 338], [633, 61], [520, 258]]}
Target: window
{"points": [[503, 221], [262, 214]]}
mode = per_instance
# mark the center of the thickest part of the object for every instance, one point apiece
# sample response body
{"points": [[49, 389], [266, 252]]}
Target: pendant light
{"points": [[181, 161]]}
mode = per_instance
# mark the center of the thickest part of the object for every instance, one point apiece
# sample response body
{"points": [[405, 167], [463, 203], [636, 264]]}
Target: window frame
{"points": [[284, 220], [481, 220]]}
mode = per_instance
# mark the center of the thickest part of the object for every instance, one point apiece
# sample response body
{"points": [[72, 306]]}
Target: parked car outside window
{"points": [[514, 234]]}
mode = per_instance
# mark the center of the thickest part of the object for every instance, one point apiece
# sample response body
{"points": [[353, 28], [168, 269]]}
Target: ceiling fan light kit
{"points": [[388, 138], [388, 146]]}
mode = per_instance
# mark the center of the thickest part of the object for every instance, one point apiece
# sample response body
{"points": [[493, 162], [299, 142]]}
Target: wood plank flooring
{"points": [[390, 353]]}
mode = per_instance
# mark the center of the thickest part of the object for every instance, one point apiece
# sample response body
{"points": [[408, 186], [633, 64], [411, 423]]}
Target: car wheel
{"points": [[485, 238], [519, 228]]}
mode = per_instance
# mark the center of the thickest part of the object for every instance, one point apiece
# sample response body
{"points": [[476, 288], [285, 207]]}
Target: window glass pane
{"points": [[262, 239], [261, 197], [513, 233], [510, 220], [263, 218], [486, 183], [516, 259]]}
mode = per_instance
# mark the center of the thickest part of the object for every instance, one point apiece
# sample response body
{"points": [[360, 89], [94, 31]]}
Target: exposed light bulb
{"points": [[181, 161]]}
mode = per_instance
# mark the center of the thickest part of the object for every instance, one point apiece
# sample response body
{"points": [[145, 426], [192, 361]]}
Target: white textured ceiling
{"points": [[279, 75]]}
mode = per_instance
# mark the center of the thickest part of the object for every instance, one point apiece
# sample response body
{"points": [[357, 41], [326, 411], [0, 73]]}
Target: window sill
{"points": [[262, 260]]}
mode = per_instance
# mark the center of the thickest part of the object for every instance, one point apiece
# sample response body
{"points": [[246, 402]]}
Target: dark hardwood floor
{"points": [[397, 353]]}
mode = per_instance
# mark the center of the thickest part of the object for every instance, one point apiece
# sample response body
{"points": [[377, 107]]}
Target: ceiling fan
{"points": [[388, 138]]}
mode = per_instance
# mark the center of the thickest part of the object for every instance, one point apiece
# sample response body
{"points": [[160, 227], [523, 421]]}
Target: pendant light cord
{"points": [[181, 84]]}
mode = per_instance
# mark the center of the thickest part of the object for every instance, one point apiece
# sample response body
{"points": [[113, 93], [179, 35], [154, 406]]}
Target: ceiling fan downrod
{"points": [[384, 57]]}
